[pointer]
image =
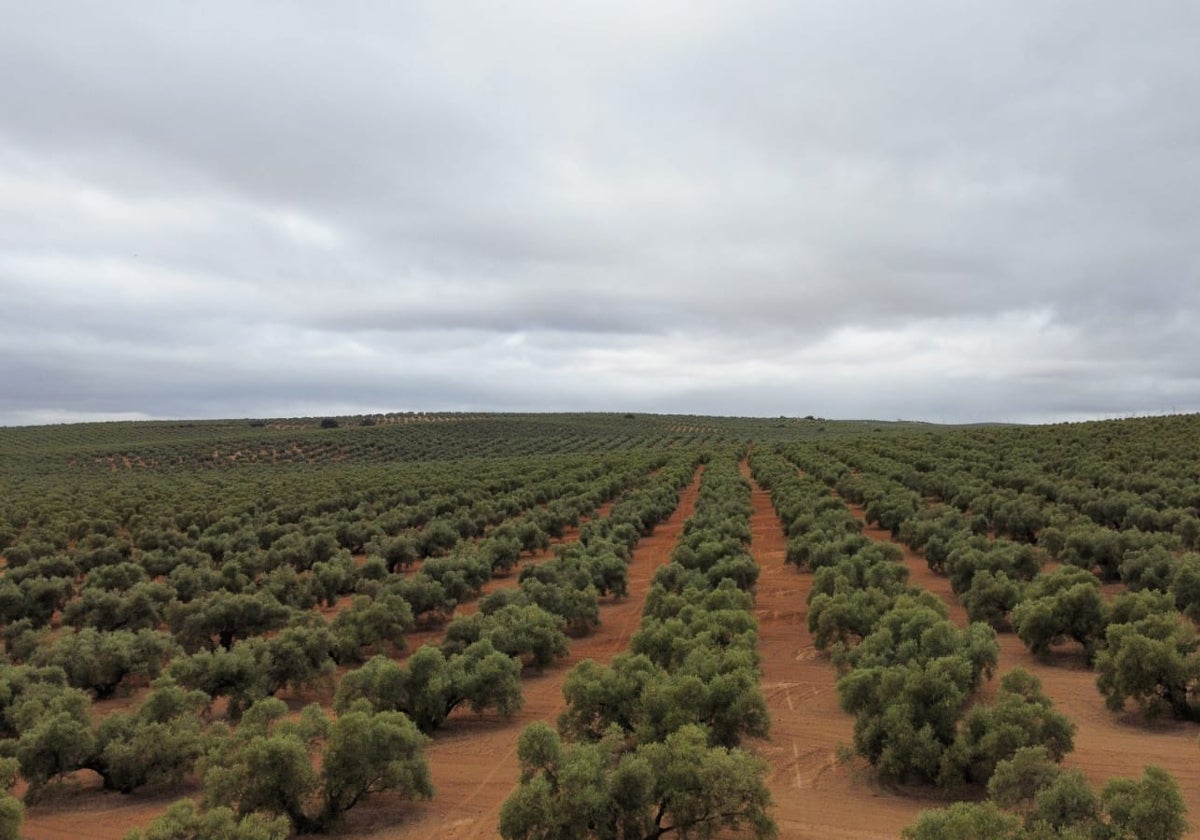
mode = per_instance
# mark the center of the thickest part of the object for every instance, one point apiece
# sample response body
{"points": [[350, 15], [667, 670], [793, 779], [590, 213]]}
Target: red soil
{"points": [[91, 813], [816, 795]]}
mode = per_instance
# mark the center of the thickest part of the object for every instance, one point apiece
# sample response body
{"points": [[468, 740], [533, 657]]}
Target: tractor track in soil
{"points": [[816, 795]]}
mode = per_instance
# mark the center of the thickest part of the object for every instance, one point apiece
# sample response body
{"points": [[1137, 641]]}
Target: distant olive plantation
{"points": [[546, 626]]}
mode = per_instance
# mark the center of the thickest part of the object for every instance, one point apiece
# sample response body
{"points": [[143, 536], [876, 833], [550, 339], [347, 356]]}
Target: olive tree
{"points": [[313, 770], [157, 744], [1150, 808], [991, 597], [99, 662], [185, 821], [1022, 716], [906, 715], [1155, 662], [1060, 605], [220, 618], [371, 624], [52, 729], [1044, 801], [601, 696], [12, 812], [680, 786], [525, 632], [430, 685], [965, 821], [299, 656]]}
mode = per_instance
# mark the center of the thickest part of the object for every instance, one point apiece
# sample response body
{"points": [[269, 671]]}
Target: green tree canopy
{"points": [[268, 764], [1155, 662], [680, 786], [185, 821], [430, 685]]}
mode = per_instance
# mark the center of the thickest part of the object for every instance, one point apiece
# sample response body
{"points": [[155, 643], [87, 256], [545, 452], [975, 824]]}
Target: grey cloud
{"points": [[936, 210]]}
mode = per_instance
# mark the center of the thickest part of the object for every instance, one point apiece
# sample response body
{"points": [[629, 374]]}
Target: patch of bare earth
{"points": [[83, 810], [1107, 744], [473, 760]]}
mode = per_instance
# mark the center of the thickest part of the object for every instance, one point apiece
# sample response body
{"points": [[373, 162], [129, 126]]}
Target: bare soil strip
{"points": [[816, 796], [1106, 744], [474, 759]]}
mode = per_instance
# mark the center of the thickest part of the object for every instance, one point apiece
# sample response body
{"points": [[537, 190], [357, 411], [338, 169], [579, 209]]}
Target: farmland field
{"points": [[463, 625]]}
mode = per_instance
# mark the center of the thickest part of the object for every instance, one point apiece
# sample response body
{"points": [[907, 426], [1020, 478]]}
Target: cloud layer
{"points": [[929, 210]]}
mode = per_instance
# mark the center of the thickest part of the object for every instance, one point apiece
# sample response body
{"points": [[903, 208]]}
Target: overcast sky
{"points": [[949, 211]]}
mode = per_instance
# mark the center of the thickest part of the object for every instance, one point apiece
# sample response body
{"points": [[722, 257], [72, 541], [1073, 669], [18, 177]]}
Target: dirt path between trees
{"points": [[816, 796], [1106, 744], [473, 760]]}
